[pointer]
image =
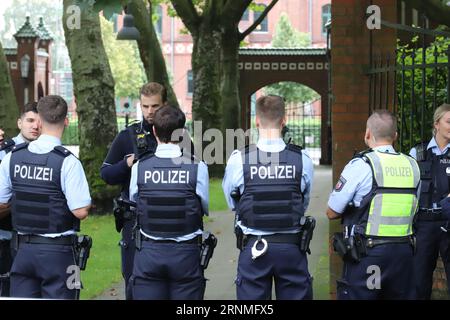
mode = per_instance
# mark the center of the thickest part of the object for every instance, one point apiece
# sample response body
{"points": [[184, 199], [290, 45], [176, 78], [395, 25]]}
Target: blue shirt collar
{"points": [[271, 145], [433, 144], [167, 150], [47, 139], [19, 139], [386, 148]]}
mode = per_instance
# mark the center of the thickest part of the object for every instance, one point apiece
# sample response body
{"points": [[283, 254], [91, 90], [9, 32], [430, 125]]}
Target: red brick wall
{"points": [[350, 48]]}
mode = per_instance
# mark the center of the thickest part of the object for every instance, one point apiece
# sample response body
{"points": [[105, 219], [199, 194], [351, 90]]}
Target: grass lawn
{"points": [[103, 267], [217, 200]]}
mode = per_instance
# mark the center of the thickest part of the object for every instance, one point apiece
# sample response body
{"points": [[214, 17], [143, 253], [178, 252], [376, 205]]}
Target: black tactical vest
{"points": [[434, 175], [272, 198], [7, 145], [38, 204], [6, 223], [167, 205]]}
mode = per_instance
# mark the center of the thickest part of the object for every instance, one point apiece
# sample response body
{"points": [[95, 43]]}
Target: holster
{"points": [[83, 247], [239, 237], [137, 236], [207, 249], [307, 224], [351, 249], [118, 211]]}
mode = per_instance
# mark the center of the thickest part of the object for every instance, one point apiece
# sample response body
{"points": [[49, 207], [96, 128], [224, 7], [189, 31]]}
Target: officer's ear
{"points": [[155, 135], [283, 121], [19, 123], [66, 122], [257, 121]]}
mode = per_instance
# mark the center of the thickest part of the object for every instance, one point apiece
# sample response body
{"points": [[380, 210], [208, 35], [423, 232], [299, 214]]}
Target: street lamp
{"points": [[128, 31], [126, 105]]}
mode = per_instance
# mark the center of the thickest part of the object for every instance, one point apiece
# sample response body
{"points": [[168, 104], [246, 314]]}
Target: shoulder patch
{"points": [[340, 184], [294, 148], [62, 151]]}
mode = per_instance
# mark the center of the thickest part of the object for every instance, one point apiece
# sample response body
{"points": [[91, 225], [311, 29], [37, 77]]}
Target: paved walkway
{"points": [[222, 268]]}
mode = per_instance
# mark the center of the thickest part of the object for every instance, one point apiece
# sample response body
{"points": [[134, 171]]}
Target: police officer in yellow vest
{"points": [[376, 197]]}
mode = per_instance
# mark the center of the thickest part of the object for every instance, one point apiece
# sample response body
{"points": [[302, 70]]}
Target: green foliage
{"points": [[125, 62], [426, 107], [217, 200], [286, 36], [103, 267]]}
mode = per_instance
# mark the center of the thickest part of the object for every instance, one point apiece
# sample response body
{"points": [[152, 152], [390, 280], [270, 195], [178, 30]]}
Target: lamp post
{"points": [[126, 105], [128, 31]]}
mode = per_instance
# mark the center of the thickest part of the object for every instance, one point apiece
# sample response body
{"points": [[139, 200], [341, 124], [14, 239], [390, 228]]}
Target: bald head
{"points": [[383, 126]]}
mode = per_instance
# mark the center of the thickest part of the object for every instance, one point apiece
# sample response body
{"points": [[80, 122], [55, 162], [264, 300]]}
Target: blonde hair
{"points": [[439, 113]]}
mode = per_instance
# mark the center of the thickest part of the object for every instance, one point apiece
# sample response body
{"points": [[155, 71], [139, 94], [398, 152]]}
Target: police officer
{"points": [[130, 144], [28, 124], [274, 180], [376, 197], [49, 196], [171, 191], [431, 222]]}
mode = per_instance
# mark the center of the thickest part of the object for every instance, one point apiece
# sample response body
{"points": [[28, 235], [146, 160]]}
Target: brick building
{"points": [[30, 63], [305, 15]]}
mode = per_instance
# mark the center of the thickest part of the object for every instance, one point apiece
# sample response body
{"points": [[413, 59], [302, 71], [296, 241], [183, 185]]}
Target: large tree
{"points": [[94, 92], [8, 104], [213, 25], [149, 47]]}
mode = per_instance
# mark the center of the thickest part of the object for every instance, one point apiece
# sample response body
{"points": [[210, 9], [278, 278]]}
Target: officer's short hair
{"points": [[382, 124], [270, 108], [154, 88], [52, 109], [30, 106], [439, 113], [168, 119]]}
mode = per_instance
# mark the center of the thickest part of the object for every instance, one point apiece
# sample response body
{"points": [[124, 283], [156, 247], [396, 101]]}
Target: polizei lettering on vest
{"points": [[33, 172], [170, 176], [398, 171], [273, 172]]}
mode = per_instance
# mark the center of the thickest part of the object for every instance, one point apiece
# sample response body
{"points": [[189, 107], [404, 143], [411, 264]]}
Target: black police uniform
{"points": [[431, 241], [168, 208], [6, 253], [39, 206], [136, 139]]}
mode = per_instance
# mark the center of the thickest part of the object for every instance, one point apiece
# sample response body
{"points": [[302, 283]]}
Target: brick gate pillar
{"points": [[350, 56]]}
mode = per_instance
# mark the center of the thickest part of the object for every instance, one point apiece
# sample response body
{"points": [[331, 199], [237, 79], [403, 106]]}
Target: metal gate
{"points": [[414, 80]]}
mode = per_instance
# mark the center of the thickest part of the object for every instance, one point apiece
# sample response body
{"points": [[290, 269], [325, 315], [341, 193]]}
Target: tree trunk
{"points": [[206, 97], [229, 90], [150, 49], [9, 111], [94, 92]]}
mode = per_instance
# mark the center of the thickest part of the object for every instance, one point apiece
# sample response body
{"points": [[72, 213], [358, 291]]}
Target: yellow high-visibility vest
{"points": [[394, 203]]}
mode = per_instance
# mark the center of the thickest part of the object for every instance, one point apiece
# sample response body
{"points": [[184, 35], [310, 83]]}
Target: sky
{"points": [[3, 5]]}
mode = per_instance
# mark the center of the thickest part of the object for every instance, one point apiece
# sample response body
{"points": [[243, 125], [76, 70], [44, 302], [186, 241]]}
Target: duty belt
{"points": [[273, 238], [376, 241], [34, 239], [427, 214], [196, 240]]}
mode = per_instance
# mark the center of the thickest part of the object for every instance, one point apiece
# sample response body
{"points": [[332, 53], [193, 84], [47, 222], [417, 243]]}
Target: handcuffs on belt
{"points": [[256, 253]]}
